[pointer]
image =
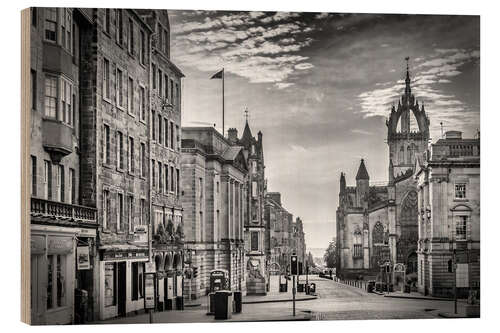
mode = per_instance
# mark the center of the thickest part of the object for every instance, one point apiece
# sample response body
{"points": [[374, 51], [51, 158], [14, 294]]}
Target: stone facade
{"points": [[63, 225], [448, 176], [378, 224], [98, 128], [255, 227], [213, 189], [284, 236], [165, 161]]}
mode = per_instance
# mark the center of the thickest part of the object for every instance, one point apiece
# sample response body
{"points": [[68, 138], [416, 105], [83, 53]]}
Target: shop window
{"points": [[109, 284], [56, 281], [137, 280]]}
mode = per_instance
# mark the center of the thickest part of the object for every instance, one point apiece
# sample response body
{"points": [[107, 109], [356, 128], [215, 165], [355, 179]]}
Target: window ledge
{"points": [[131, 114], [120, 107], [107, 100], [460, 200]]}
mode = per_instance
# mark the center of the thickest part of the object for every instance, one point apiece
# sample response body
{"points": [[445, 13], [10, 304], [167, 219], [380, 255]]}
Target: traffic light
{"points": [[294, 264], [195, 272]]}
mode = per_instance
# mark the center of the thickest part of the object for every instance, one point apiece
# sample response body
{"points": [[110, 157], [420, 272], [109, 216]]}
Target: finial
{"points": [[246, 114]]}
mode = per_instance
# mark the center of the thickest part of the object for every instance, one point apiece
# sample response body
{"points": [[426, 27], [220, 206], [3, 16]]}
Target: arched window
{"points": [[401, 157], [409, 155], [358, 246], [378, 234]]}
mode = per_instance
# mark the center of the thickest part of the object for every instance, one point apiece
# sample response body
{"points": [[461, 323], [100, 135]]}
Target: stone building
{"points": [[377, 224], [255, 226], [448, 176], [279, 229], [299, 244], [165, 162], [63, 225], [92, 73], [213, 194]]}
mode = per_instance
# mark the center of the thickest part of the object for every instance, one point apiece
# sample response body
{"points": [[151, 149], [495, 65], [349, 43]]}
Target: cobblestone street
{"points": [[335, 301]]}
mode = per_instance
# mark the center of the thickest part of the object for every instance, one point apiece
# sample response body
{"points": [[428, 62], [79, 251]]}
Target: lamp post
{"points": [[453, 249]]}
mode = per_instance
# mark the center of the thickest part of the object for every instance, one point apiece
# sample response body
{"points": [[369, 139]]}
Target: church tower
{"points": [[403, 142]]}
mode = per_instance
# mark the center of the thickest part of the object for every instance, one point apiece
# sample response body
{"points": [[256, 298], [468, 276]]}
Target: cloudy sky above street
{"points": [[319, 86]]}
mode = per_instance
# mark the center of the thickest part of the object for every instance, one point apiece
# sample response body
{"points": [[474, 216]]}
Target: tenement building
{"points": [[63, 225], [377, 225], [255, 227], [449, 218], [279, 229], [165, 163], [299, 244], [214, 196], [93, 141]]}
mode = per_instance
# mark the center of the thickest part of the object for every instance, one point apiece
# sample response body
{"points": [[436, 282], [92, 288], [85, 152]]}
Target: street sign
{"points": [[149, 290]]}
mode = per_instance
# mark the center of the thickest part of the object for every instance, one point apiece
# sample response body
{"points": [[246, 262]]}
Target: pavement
{"points": [[334, 301]]}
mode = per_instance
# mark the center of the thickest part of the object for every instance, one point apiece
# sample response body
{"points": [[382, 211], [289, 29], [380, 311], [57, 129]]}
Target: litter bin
{"points": [[179, 303], [223, 304], [238, 301], [300, 287], [370, 286], [211, 304], [283, 287], [312, 288]]}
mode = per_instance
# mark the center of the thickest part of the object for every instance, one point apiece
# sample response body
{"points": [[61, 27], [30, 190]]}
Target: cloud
{"points": [[283, 85], [304, 65], [361, 131], [437, 68], [254, 45]]}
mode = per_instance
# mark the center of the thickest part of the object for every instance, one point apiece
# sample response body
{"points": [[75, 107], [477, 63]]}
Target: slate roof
{"points": [[231, 152]]}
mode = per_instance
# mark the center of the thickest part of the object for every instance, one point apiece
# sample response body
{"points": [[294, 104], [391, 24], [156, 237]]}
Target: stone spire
{"points": [[362, 172]]}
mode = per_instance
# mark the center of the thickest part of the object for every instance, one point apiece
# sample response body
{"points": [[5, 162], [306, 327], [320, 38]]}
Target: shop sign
{"points": [[86, 232], [149, 291], [60, 245], [141, 234], [83, 257]]}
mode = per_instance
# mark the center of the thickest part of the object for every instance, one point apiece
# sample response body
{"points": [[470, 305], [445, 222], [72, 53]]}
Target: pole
{"points": [[293, 293], [455, 271], [223, 133]]}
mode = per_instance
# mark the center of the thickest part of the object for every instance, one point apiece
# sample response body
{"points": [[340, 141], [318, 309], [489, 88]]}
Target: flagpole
{"points": [[223, 134]]}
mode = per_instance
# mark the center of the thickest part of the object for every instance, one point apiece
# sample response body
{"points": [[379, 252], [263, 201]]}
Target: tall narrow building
{"points": [[255, 226]]}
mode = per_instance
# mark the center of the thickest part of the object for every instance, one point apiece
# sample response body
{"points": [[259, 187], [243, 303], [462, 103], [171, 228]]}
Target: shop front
{"points": [[121, 273], [52, 274]]}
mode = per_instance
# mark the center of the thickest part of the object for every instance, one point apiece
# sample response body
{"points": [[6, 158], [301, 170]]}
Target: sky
{"points": [[320, 86]]}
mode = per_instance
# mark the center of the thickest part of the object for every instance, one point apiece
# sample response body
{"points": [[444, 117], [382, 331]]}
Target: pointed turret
{"points": [[362, 172], [391, 172], [407, 80], [342, 183], [247, 136], [362, 185]]}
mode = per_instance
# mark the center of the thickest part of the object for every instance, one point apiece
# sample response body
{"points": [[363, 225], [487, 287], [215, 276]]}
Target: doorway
{"points": [[122, 288]]}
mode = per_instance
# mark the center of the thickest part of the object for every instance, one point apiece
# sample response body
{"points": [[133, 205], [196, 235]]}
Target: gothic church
{"points": [[378, 224]]}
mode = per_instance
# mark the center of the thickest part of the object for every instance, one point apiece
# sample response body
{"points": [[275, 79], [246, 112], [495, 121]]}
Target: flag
{"points": [[218, 75]]}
